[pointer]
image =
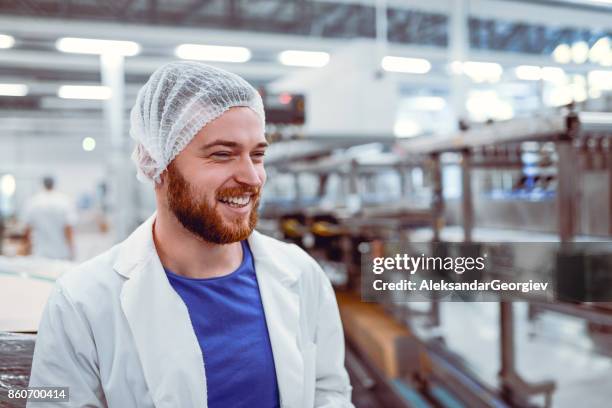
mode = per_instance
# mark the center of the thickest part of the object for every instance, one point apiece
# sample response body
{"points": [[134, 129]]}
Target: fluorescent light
{"points": [[484, 105], [580, 52], [579, 92], [600, 50], [600, 79], [95, 46], [561, 96], [528, 72], [7, 185], [296, 58], [84, 92], [406, 65], [13, 89], [553, 74], [562, 54], [406, 128], [424, 103], [6, 41], [89, 144], [483, 71], [212, 53]]}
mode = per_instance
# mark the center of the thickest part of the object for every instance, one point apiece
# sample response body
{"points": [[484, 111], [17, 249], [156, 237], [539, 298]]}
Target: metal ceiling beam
{"points": [[125, 8], [153, 11], [233, 13], [571, 4], [528, 38], [160, 36], [335, 19], [162, 13], [538, 13], [193, 10]]}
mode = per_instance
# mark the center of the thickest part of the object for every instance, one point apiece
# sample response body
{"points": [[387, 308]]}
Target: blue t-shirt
{"points": [[228, 319]]}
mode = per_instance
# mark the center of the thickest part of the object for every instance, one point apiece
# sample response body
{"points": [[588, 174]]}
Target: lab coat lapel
{"points": [[166, 343], [277, 282]]}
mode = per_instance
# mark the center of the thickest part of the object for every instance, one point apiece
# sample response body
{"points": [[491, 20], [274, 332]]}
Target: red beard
{"points": [[204, 220]]}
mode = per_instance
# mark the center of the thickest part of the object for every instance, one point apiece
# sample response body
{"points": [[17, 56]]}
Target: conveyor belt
{"points": [[374, 345], [377, 336], [411, 395], [372, 389], [397, 365]]}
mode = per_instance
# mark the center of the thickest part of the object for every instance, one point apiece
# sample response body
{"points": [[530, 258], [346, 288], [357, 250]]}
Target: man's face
{"points": [[213, 186]]}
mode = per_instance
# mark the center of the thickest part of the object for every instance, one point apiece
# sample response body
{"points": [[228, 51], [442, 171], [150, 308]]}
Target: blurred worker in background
{"points": [[195, 308], [50, 219]]}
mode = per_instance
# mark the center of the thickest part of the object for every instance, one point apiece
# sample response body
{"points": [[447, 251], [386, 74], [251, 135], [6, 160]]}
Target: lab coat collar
{"points": [[136, 249], [167, 345]]}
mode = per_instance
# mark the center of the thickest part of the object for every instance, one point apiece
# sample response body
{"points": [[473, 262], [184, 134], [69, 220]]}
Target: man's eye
{"points": [[259, 154], [222, 155]]}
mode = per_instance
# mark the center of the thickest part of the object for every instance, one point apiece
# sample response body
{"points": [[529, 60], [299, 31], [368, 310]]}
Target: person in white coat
{"points": [[196, 308], [50, 217]]}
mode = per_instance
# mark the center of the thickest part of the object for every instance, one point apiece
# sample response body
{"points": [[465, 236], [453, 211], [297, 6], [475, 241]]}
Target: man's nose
{"points": [[248, 174]]}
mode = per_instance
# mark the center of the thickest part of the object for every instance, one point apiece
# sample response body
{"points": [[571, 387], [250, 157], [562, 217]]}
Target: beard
{"points": [[205, 221]]}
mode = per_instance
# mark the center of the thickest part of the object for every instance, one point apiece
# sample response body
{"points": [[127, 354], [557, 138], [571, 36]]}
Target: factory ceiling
{"points": [[298, 17], [503, 31]]}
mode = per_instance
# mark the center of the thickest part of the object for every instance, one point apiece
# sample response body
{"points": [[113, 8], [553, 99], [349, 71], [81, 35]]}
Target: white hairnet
{"points": [[178, 100]]}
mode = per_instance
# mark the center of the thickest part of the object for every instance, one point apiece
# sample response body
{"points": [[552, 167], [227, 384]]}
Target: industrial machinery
{"points": [[537, 163]]}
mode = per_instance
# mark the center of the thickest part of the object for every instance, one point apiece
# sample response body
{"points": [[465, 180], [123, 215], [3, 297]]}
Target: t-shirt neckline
{"points": [[246, 256]]}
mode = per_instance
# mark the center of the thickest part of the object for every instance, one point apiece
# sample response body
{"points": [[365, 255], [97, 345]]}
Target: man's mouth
{"points": [[236, 201]]}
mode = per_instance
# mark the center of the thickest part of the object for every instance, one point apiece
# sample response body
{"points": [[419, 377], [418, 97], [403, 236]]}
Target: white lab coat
{"points": [[47, 214], [118, 335]]}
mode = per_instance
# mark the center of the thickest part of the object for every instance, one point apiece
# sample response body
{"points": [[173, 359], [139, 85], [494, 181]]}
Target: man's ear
{"points": [[162, 181]]}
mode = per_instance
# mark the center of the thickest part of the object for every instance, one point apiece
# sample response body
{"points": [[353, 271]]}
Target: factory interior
{"points": [[449, 125]]}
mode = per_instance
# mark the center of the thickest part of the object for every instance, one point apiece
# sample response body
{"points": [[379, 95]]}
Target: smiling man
{"points": [[196, 308]]}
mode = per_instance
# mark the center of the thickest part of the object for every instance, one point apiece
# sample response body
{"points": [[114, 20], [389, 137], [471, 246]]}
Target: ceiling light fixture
{"points": [[295, 58], [553, 74], [6, 41], [562, 54], [528, 72], [580, 52], [96, 46], [89, 144], [212, 53], [84, 92], [406, 65], [483, 71], [13, 89]]}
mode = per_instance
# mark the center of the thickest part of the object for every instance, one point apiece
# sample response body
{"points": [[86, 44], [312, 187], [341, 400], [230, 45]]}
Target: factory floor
{"points": [[551, 347]]}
